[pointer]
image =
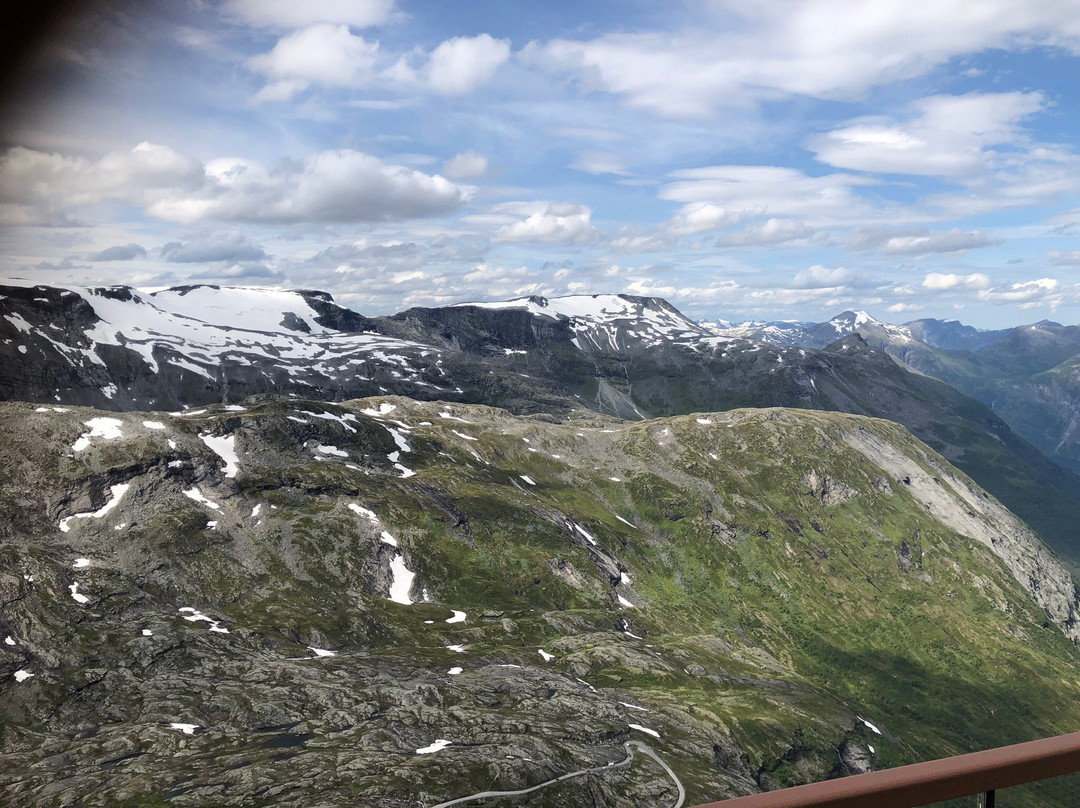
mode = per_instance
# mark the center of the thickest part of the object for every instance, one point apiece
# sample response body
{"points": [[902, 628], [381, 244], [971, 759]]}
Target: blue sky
{"points": [[769, 160]]}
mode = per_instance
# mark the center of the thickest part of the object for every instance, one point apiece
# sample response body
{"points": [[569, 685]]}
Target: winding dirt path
{"points": [[630, 746]]}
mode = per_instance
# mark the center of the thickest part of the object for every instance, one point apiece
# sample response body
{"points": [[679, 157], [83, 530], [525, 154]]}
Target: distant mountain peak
{"points": [[850, 320], [610, 321]]}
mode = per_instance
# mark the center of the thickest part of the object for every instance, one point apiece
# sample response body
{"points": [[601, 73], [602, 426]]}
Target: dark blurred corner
{"points": [[24, 26]]}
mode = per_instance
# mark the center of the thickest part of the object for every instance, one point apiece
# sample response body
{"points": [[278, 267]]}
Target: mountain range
{"points": [[260, 549], [1029, 375], [121, 349]]}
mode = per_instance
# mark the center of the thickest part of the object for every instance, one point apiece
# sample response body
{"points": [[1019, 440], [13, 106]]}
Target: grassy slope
{"points": [[768, 617]]}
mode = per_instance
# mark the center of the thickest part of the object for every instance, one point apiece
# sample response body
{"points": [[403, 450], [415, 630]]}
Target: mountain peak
{"points": [[610, 321], [849, 320]]}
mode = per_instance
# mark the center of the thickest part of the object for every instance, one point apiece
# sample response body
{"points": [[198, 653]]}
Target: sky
{"points": [[776, 159]]}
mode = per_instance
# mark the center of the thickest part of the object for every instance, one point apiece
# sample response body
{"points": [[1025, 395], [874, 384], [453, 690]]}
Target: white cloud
{"points": [[598, 162], [289, 14], [321, 54], [1064, 258], [760, 190], [946, 136], [118, 252], [340, 185], [243, 271], [821, 48], [1036, 177], [332, 186], [774, 231], [899, 308], [630, 241], [698, 217], [213, 247], [463, 63], [455, 67], [557, 223], [465, 166], [819, 277], [36, 187], [944, 282], [920, 241], [1025, 292]]}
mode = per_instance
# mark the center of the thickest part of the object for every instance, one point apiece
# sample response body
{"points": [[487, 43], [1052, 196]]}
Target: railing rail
{"points": [[934, 781]]}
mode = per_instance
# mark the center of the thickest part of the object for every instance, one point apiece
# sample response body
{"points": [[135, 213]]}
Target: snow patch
{"points": [[153, 424], [329, 416], [361, 511], [871, 726], [633, 706], [385, 408], [458, 617], [451, 417], [646, 730], [401, 581], [225, 448], [321, 652], [439, 745], [22, 676], [193, 615], [187, 729], [399, 439], [528, 479], [118, 492], [584, 532], [196, 494], [77, 596], [330, 450], [104, 428], [454, 671], [80, 563], [545, 655]]}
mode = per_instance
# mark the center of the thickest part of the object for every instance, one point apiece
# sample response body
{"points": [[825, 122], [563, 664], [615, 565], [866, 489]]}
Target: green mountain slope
{"points": [[753, 586]]}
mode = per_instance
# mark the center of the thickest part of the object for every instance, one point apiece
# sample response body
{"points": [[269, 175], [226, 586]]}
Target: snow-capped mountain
{"points": [[818, 335], [779, 332], [118, 347], [611, 322]]}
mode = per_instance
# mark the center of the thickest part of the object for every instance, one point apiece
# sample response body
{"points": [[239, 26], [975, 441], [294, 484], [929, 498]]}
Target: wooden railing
{"points": [[930, 782]]}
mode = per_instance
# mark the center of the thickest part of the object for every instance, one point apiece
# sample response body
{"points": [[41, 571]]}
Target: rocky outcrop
{"points": [[958, 503]]}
